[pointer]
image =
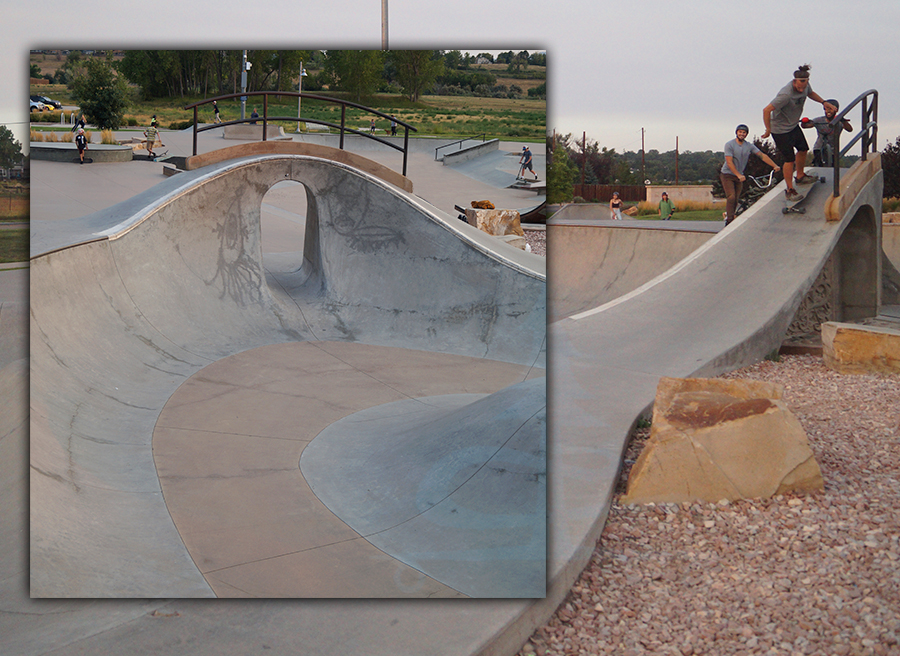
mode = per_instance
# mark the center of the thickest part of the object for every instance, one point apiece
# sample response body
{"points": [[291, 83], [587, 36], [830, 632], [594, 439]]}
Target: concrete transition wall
{"points": [[470, 152], [695, 193], [120, 321], [68, 152]]}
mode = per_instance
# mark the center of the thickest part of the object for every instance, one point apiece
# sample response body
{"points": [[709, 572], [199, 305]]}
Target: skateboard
{"points": [[793, 206], [87, 160]]}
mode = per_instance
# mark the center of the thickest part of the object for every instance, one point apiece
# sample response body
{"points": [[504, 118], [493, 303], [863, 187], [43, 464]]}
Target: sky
{"points": [[690, 70]]}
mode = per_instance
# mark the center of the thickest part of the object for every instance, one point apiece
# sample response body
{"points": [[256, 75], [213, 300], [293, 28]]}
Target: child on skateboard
{"points": [[81, 144]]}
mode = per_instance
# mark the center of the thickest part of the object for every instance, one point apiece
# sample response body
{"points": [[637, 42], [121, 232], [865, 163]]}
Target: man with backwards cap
{"points": [[737, 154]]}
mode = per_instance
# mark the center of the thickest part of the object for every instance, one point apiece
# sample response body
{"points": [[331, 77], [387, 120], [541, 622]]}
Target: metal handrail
{"points": [[342, 127], [483, 136], [868, 133]]}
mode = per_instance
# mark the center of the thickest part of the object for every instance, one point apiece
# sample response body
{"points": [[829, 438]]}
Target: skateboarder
{"points": [[782, 120], [81, 143], [525, 160], [737, 154], [821, 151], [152, 134]]}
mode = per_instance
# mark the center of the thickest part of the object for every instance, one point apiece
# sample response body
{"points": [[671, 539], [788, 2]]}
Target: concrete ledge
{"points": [[855, 349], [248, 131], [851, 184], [296, 148], [471, 152], [61, 151]]}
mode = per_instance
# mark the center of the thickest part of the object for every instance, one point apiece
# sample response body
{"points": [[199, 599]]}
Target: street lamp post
{"points": [[384, 24], [300, 90]]}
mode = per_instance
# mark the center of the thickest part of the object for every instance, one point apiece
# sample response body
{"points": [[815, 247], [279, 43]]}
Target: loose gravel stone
{"points": [[816, 574], [537, 239]]}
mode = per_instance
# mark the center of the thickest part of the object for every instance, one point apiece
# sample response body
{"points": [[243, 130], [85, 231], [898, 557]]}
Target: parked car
{"points": [[49, 102], [36, 106]]}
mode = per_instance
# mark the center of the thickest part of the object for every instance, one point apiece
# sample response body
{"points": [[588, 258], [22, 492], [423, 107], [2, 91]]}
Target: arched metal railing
{"points": [[868, 133], [342, 127]]}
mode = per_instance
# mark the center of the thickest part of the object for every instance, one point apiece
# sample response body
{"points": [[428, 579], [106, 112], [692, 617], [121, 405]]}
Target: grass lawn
{"points": [[699, 215], [14, 245], [14, 207], [445, 116]]}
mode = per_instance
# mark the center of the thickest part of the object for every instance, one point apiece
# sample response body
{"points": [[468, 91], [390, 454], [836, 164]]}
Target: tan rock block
{"points": [[716, 439], [496, 222], [856, 349]]}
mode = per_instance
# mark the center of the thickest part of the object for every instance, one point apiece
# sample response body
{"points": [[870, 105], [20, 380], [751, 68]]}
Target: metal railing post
{"points": [[343, 120], [265, 114], [405, 148], [195, 130]]}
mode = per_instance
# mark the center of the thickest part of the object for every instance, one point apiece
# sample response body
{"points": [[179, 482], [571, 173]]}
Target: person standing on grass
{"points": [[81, 144], [737, 154], [782, 120], [615, 206], [666, 207]]}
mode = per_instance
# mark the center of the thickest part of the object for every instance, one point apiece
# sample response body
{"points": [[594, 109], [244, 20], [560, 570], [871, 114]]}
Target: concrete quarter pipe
{"points": [[162, 301]]}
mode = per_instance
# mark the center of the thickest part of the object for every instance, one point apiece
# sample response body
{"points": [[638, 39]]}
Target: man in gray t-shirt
{"points": [[782, 120], [737, 154]]}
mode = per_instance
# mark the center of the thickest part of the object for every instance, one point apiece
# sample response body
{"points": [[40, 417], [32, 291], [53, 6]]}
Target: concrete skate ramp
{"points": [[498, 168], [725, 306], [593, 262], [159, 287]]}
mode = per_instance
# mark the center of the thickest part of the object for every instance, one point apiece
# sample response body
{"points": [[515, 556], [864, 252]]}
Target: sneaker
{"points": [[805, 179], [792, 196]]}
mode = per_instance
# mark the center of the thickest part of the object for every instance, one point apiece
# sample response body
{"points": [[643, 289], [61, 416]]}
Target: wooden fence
{"points": [[603, 193]]}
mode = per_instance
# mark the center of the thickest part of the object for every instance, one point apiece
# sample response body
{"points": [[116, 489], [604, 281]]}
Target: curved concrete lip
{"points": [[268, 461]]}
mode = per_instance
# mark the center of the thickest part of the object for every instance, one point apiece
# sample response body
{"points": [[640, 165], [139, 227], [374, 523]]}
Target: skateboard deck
{"points": [[87, 160], [793, 206]]}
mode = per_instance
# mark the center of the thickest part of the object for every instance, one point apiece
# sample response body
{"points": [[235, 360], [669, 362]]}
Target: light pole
{"points": [[300, 90], [245, 66], [384, 25]]}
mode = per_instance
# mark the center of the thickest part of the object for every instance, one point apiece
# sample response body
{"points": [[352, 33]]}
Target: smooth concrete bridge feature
{"points": [[725, 306], [134, 301]]}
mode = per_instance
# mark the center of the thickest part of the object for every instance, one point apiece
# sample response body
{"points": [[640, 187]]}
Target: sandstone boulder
{"points": [[856, 349], [496, 222], [715, 439]]}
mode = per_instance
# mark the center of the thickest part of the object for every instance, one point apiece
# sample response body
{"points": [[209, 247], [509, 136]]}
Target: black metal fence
{"points": [[265, 118], [867, 135]]}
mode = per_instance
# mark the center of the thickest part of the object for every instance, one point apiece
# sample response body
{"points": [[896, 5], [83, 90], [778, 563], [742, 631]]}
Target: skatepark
{"points": [[734, 296]]}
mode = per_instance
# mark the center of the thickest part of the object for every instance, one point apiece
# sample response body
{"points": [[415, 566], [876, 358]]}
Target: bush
{"points": [[181, 125]]}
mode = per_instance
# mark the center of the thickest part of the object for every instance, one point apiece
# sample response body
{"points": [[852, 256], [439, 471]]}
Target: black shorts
{"points": [[787, 142]]}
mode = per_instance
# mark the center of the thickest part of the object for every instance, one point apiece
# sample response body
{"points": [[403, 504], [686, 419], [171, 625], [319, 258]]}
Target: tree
{"points": [[416, 70], [561, 173], [10, 149], [102, 94], [355, 71], [35, 71], [890, 165]]}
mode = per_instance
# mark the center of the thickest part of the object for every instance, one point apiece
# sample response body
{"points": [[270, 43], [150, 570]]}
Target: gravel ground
{"points": [[790, 575], [537, 239]]}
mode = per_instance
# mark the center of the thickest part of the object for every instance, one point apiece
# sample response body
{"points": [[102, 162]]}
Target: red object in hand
{"points": [[804, 120]]}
